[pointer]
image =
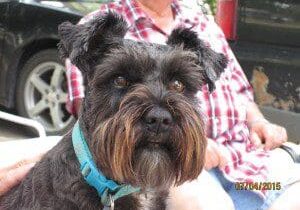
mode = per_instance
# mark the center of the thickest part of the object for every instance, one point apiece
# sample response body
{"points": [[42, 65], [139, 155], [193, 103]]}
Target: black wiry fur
{"points": [[113, 119], [84, 43], [212, 62]]}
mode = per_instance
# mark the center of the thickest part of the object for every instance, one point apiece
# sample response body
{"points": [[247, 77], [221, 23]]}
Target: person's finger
{"points": [[283, 134], [278, 137], [211, 157], [22, 162], [255, 139], [13, 177], [223, 158], [272, 139], [210, 161], [207, 165], [269, 143]]}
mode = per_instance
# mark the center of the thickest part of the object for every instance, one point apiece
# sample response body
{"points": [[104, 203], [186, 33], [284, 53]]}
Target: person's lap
{"points": [[242, 199], [282, 170]]}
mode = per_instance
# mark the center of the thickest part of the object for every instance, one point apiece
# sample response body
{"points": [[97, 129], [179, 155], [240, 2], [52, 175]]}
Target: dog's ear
{"points": [[85, 43], [212, 62]]}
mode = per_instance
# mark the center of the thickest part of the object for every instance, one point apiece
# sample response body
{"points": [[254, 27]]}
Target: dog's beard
{"points": [[154, 167], [125, 154]]}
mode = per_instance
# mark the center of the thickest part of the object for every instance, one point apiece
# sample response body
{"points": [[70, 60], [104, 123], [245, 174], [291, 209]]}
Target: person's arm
{"points": [[17, 157], [12, 175]]}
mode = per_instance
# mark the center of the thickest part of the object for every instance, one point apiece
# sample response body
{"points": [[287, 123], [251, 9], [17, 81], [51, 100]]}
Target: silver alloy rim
{"points": [[45, 96]]}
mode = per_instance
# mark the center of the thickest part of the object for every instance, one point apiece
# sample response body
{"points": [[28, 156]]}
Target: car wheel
{"points": [[42, 92]]}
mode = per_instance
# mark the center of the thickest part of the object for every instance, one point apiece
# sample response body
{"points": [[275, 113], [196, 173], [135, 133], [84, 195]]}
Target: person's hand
{"points": [[14, 174], [214, 155], [264, 132]]}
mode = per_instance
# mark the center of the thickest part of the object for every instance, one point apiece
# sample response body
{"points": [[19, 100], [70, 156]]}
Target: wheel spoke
{"points": [[38, 108], [56, 77], [39, 84], [63, 98], [56, 116]]}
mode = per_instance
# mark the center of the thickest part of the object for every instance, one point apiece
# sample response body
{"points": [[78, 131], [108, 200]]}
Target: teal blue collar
{"points": [[108, 190]]}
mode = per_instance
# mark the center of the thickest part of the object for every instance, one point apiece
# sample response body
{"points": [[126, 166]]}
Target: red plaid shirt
{"points": [[224, 109]]}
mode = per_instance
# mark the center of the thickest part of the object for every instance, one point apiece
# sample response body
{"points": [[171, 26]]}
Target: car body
{"points": [[28, 39]]}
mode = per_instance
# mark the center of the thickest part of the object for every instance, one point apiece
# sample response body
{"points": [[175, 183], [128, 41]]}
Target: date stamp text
{"points": [[257, 185]]}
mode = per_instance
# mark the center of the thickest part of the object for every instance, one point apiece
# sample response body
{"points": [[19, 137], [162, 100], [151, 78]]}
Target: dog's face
{"points": [[140, 109]]}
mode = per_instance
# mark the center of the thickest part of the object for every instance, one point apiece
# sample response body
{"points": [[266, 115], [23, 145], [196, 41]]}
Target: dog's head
{"points": [[140, 110]]}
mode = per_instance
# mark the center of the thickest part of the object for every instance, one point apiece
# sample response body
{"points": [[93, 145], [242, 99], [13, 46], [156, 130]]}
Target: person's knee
{"points": [[202, 194], [289, 200], [285, 207], [221, 201]]}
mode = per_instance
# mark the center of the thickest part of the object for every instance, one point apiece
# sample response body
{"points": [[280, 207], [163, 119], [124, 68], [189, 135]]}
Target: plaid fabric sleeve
{"points": [[75, 85]]}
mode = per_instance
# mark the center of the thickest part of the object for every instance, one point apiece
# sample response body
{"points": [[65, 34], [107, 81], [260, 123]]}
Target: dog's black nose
{"points": [[158, 120]]}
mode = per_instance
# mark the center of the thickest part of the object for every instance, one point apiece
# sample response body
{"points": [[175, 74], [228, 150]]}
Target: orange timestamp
{"points": [[257, 185]]}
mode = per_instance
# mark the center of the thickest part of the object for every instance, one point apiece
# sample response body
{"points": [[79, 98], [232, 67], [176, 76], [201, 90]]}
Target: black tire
{"points": [[26, 86]]}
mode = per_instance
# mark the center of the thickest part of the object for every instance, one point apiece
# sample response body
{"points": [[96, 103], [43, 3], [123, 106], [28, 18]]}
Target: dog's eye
{"points": [[176, 86], [121, 82]]}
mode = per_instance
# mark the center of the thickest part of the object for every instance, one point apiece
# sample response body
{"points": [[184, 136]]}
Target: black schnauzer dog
{"points": [[139, 120]]}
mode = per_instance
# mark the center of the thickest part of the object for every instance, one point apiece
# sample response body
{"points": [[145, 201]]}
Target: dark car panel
{"points": [[273, 21], [19, 32], [268, 49], [3, 29]]}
